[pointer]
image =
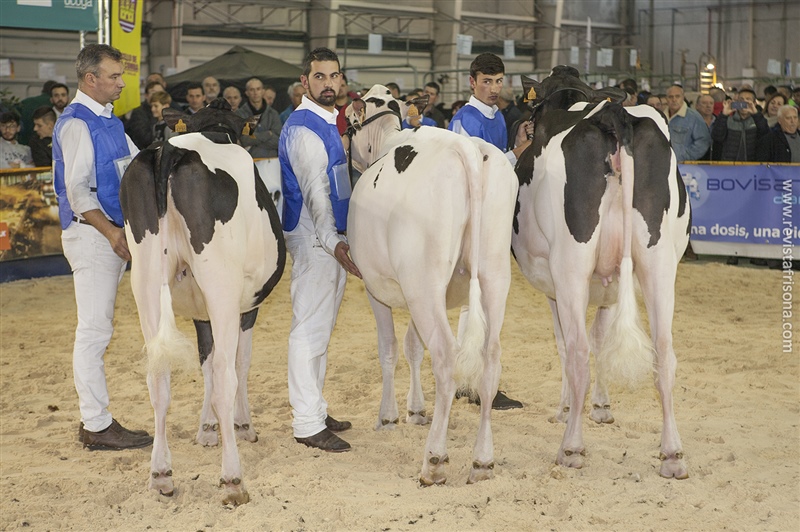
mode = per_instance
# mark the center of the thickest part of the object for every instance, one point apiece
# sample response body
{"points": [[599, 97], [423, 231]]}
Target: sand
{"points": [[737, 402]]}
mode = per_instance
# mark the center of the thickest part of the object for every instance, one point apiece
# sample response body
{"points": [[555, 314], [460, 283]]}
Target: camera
{"points": [[737, 106]]}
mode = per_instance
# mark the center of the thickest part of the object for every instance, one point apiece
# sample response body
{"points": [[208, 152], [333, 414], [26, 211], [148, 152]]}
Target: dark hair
{"points": [[629, 85], [488, 64], [92, 55], [769, 90], [47, 88], [319, 54], [9, 116], [161, 97], [55, 86], [392, 85], [44, 111], [748, 89], [193, 85], [434, 85], [151, 84]]}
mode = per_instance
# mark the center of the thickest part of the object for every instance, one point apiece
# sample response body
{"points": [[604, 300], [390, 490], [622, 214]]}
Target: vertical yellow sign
{"points": [[126, 36]]}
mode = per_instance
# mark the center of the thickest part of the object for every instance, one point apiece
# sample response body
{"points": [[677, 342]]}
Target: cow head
{"points": [[217, 117], [563, 88], [373, 118]]}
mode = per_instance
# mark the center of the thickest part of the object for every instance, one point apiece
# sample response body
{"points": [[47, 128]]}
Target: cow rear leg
{"points": [[161, 458], [207, 433], [242, 422], [659, 296], [563, 405], [601, 402], [415, 401], [572, 315], [388, 416], [437, 335]]}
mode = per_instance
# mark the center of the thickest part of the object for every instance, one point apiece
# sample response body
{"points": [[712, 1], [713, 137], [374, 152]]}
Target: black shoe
{"points": [[337, 426], [732, 261], [503, 402], [115, 438], [81, 430], [325, 440]]}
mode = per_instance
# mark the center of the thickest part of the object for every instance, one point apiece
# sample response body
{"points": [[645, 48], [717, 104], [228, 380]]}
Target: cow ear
{"points": [[417, 105], [532, 89], [172, 117], [612, 94], [359, 110]]}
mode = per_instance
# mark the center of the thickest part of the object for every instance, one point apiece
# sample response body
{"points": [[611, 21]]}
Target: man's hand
{"points": [[341, 254], [114, 234]]}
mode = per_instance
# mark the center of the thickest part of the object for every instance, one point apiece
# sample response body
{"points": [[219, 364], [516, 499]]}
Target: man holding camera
{"points": [[740, 128]]}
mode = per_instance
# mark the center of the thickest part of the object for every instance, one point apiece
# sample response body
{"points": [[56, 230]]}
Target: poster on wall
{"points": [[29, 224], [126, 36], [74, 15]]}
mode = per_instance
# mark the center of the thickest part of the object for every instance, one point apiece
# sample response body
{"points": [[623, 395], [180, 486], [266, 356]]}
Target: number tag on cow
{"points": [[341, 180], [122, 165]]}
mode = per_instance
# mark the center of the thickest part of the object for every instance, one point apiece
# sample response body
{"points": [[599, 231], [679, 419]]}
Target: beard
{"points": [[326, 98]]}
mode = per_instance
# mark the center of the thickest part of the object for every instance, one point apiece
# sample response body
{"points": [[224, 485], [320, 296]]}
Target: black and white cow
{"points": [[429, 229], [204, 236], [601, 199]]}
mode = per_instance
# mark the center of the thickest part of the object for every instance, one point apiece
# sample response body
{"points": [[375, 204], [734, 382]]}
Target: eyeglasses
{"points": [[9, 126]]}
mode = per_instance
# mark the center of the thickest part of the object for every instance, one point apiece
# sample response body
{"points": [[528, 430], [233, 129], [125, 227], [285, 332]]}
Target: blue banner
{"points": [[744, 204], [77, 15]]}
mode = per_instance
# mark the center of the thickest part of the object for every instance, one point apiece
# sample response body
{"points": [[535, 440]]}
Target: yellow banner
{"points": [[126, 36]]}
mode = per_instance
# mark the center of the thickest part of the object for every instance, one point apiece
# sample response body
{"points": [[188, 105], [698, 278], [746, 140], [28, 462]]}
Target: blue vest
{"points": [[292, 195], [110, 145], [492, 130]]}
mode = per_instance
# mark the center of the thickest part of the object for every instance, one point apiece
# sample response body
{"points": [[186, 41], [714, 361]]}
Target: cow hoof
{"points": [[602, 414], [560, 416], [387, 424], [246, 432], [434, 470], [481, 471], [235, 493], [417, 418], [162, 482], [673, 466], [208, 436], [571, 458]]}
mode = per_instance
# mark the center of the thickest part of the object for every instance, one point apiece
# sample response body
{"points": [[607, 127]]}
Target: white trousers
{"points": [[317, 288], [96, 273]]}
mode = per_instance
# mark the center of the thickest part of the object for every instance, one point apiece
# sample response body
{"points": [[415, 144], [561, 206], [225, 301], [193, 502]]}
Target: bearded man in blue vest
{"points": [[90, 154], [316, 194]]}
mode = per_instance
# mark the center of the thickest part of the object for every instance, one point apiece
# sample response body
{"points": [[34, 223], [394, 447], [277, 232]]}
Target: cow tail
{"points": [[169, 349], [469, 359], [627, 355]]}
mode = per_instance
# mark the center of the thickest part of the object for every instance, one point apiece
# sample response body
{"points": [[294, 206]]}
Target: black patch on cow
{"points": [[651, 175], [516, 215], [264, 202], [394, 106], [218, 137], [376, 101], [205, 339], [586, 151], [248, 319], [681, 193], [202, 197], [137, 194], [375, 181], [403, 157]]}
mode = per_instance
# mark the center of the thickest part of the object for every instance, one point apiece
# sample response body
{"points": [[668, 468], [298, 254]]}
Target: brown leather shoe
{"points": [[81, 430], [115, 438], [327, 441], [337, 426]]}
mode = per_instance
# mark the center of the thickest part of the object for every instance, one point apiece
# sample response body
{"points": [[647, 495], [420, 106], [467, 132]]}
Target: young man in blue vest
{"points": [[481, 117], [90, 154], [316, 192]]}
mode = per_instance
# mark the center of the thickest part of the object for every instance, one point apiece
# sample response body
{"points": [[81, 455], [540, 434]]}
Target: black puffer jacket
{"points": [[739, 139]]}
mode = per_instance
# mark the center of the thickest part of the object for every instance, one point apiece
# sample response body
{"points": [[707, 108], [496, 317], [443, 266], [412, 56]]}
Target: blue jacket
{"points": [[689, 135], [110, 145], [492, 130], [292, 195]]}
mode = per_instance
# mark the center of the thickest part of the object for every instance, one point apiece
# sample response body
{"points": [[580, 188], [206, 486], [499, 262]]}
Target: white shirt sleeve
{"points": [[309, 160], [79, 172]]}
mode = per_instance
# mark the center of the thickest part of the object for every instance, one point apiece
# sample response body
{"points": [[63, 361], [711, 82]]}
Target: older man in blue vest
{"points": [[90, 154]]}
